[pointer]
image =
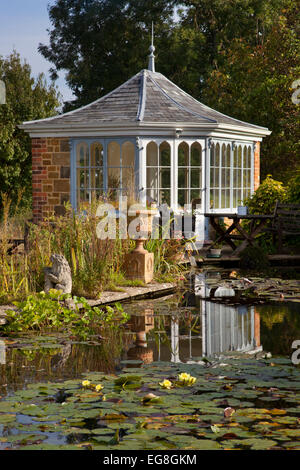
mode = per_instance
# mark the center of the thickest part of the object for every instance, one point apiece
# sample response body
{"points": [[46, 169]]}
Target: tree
{"points": [[240, 57], [255, 81], [102, 43], [26, 99]]}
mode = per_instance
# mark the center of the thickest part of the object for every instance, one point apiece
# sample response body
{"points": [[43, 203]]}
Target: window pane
{"points": [[217, 156], [196, 194], [152, 154], [228, 198], [216, 198], [183, 178], [82, 155], [223, 177], [212, 177], [249, 179], [216, 178], [223, 199], [165, 196], [96, 154], [165, 181], [227, 178], [234, 203], [212, 155], [196, 154], [165, 154], [228, 156], [152, 195], [196, 181], [235, 157], [83, 180], [82, 196], [249, 157], [245, 178], [240, 157], [245, 158], [239, 178], [128, 178], [182, 197], [114, 178], [113, 154], [183, 154], [211, 201], [234, 178], [96, 178], [128, 154], [223, 155], [152, 178]]}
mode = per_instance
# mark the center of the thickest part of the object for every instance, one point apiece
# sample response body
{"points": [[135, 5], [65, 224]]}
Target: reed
{"points": [[95, 264]]}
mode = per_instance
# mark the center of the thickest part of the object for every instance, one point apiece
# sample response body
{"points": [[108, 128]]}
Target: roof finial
{"points": [[151, 65]]}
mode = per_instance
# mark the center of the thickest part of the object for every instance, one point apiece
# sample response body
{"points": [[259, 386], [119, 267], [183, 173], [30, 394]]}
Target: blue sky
{"points": [[23, 25]]}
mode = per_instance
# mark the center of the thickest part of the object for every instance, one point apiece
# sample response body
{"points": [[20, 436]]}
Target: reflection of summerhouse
{"points": [[147, 139]]}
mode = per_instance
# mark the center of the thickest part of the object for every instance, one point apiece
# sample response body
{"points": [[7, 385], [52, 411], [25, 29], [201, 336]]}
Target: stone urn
{"points": [[139, 263]]}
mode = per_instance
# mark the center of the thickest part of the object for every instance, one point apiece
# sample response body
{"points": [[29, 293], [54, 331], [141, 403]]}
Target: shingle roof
{"points": [[147, 97]]}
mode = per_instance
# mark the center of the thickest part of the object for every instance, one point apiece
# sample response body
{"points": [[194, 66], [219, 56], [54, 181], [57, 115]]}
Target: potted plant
{"points": [[215, 251]]}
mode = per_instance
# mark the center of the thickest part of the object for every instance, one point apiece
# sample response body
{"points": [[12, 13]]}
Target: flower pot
{"points": [[214, 253]]}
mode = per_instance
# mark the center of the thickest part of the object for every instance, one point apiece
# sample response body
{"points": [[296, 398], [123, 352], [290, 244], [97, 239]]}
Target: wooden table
{"points": [[257, 224]]}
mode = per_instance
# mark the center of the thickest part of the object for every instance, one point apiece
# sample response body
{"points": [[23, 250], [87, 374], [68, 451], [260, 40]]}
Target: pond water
{"points": [[184, 327], [187, 331]]}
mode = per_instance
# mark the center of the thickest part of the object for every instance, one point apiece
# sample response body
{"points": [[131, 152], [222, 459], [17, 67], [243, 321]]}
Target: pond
{"points": [[246, 393]]}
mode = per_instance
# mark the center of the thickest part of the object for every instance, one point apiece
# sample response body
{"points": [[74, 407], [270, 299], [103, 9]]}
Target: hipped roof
{"points": [[148, 98]]}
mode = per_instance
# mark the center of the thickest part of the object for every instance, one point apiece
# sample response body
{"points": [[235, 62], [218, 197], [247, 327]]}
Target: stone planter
{"points": [[139, 263]]}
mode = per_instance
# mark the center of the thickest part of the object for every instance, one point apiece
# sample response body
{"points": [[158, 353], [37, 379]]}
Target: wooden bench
{"points": [[286, 222]]}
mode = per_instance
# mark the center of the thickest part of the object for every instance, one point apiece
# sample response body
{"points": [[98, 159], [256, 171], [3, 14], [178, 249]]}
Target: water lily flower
{"points": [[99, 387], [86, 383], [166, 384], [186, 379]]}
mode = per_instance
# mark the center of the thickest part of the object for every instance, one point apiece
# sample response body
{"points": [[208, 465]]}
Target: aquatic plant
{"points": [[136, 413], [43, 312]]}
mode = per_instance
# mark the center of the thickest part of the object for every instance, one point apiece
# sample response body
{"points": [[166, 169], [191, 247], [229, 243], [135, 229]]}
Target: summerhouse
{"points": [[148, 140]]}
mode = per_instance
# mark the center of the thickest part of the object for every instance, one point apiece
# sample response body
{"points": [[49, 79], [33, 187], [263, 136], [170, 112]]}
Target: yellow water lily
{"points": [[86, 383], [166, 384], [99, 387], [186, 379]]}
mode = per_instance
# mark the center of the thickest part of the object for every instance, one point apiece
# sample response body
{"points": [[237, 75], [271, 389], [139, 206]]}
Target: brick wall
{"points": [[257, 166], [50, 176]]}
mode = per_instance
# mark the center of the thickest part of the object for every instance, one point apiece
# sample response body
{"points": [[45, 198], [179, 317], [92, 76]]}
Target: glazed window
{"points": [[89, 172], [159, 173], [189, 173], [230, 175]]}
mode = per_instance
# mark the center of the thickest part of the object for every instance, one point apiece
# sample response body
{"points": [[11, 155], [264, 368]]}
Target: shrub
{"points": [[254, 258], [264, 198], [293, 189]]}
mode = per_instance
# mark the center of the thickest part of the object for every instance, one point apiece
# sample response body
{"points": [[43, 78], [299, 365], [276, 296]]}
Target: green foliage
{"points": [[264, 198], [254, 83], [254, 258], [26, 99], [293, 189], [40, 312], [94, 262]]}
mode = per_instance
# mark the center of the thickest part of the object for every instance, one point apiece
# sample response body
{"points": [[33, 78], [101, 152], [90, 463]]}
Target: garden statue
{"points": [[58, 276]]}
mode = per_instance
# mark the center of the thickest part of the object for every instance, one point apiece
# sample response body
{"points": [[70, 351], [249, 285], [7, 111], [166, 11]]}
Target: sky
{"points": [[23, 25]]}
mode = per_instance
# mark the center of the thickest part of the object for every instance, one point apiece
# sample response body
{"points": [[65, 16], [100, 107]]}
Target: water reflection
{"points": [[2, 352], [38, 359], [197, 328]]}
